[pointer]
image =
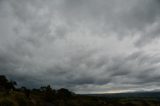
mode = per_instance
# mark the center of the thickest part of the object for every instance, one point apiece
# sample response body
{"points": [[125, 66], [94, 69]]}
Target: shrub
{"points": [[22, 101], [6, 102]]}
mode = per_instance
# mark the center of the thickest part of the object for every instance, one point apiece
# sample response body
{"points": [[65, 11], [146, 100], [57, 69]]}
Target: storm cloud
{"points": [[88, 46]]}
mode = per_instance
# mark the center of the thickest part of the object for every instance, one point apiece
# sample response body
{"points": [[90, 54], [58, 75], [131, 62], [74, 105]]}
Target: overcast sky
{"points": [[88, 46]]}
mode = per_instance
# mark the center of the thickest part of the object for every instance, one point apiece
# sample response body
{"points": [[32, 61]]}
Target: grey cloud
{"points": [[133, 14], [118, 16], [72, 43]]}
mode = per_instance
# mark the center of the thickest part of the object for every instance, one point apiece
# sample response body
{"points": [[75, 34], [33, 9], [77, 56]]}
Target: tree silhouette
{"points": [[26, 91], [49, 93], [11, 85], [5, 84], [64, 93]]}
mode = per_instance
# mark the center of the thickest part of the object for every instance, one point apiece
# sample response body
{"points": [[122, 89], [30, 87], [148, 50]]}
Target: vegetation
{"points": [[47, 96]]}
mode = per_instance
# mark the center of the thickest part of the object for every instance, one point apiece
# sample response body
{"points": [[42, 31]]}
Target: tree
{"points": [[5, 84], [48, 92], [11, 85], [64, 93], [26, 91]]}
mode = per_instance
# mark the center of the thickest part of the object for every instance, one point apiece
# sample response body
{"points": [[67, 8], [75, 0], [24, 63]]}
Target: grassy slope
{"points": [[16, 98]]}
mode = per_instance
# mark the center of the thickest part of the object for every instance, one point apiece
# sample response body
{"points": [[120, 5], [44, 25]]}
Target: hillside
{"points": [[47, 96], [18, 98]]}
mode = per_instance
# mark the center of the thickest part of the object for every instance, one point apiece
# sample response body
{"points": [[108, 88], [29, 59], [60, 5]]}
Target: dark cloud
{"points": [[85, 45]]}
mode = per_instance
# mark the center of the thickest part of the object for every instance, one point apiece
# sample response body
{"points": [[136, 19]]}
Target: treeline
{"points": [[10, 95], [6, 85], [48, 93]]}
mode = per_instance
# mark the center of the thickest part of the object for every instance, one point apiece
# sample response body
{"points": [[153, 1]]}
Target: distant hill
{"points": [[152, 94]]}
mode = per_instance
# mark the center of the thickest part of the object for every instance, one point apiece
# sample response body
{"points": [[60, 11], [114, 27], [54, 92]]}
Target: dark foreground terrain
{"points": [[17, 98], [46, 96]]}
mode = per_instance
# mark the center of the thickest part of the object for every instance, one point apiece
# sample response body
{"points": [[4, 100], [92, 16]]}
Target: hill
{"points": [[47, 96]]}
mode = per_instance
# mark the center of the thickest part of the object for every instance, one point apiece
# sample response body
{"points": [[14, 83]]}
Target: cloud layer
{"points": [[85, 45]]}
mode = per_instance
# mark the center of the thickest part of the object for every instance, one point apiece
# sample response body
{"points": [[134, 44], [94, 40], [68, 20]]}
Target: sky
{"points": [[87, 46]]}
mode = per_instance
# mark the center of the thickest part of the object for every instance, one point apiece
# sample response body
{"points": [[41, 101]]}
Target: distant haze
{"points": [[88, 46]]}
